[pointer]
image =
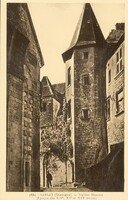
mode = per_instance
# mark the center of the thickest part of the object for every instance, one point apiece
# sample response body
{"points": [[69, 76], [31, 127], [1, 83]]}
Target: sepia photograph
{"points": [[65, 98]]}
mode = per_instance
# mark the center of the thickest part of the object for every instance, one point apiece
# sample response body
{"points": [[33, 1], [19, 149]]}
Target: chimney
{"points": [[120, 26]]}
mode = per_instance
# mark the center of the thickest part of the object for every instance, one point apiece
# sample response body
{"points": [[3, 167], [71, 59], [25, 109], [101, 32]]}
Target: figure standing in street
{"points": [[49, 179]]}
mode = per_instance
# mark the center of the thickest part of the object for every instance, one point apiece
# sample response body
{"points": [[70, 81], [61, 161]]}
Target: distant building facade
{"points": [[115, 93], [24, 60]]}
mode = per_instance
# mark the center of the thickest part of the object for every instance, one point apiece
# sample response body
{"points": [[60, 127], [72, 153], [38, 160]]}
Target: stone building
{"points": [[85, 93], [51, 102], [108, 175], [24, 60], [115, 93]]}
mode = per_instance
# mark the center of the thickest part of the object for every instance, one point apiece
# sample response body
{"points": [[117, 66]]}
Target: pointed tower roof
{"points": [[87, 32]]}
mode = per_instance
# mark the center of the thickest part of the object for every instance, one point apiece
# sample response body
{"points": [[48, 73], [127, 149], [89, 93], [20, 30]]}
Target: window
{"points": [[119, 64], [69, 75], [69, 109], [27, 173], [119, 101], [109, 76], [86, 79], [108, 108], [85, 114], [85, 55]]}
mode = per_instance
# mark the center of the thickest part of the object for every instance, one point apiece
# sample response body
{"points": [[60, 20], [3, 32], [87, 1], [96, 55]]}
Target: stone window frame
{"points": [[119, 101]]}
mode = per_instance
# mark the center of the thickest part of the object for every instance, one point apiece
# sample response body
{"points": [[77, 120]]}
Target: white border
{"points": [[41, 196]]}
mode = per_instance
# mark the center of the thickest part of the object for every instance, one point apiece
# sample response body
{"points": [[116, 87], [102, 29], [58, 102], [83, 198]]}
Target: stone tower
{"points": [[85, 93]]}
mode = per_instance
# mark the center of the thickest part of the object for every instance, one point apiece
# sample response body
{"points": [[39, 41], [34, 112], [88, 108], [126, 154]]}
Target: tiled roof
{"points": [[56, 90], [112, 47], [114, 36], [46, 87]]}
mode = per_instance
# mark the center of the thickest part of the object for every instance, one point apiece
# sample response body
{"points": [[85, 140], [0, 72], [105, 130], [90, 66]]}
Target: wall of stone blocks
{"points": [[31, 110], [90, 134], [14, 181], [26, 69]]}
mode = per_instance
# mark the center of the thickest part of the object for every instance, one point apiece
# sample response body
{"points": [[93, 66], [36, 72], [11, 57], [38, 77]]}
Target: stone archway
{"points": [[62, 172]]}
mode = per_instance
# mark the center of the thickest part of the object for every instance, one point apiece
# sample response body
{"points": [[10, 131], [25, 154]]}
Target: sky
{"points": [[55, 24]]}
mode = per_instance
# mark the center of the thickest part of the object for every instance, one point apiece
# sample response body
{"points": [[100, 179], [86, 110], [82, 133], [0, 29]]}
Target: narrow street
{"points": [[66, 121]]}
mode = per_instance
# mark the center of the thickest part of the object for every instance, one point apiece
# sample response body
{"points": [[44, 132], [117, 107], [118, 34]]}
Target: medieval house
{"points": [[24, 60], [115, 90], [110, 171], [93, 104]]}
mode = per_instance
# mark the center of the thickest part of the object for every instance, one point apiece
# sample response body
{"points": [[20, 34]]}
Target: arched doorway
{"points": [[62, 172]]}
